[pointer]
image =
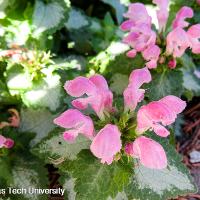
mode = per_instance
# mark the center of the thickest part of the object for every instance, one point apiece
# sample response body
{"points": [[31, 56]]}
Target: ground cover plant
{"points": [[97, 89]]}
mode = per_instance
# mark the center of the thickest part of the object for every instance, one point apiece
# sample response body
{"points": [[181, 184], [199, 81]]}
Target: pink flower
{"points": [[172, 64], [143, 39], [9, 143], [75, 123], [198, 1], [6, 142], [137, 14], [151, 54], [183, 13], [140, 37], [133, 94], [177, 42], [158, 114], [99, 97], [107, 143], [162, 13], [194, 36], [150, 153], [15, 118]]}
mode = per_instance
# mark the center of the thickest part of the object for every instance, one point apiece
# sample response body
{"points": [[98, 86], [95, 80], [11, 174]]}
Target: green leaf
{"points": [[3, 5], [118, 83], [119, 8], [68, 184], [5, 170], [190, 81], [29, 174], [5, 96], [54, 147], [77, 19], [70, 62], [49, 17], [163, 184], [36, 121], [168, 82], [94, 180], [114, 60], [45, 93], [177, 126], [18, 79]]}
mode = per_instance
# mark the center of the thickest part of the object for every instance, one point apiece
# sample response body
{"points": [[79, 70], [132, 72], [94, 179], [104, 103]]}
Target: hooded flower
{"points": [[158, 114], [75, 123], [98, 95], [107, 143], [150, 153], [133, 94], [141, 38], [194, 36], [177, 42], [14, 120], [151, 54], [162, 13], [183, 13], [6, 142], [172, 64], [137, 15]]}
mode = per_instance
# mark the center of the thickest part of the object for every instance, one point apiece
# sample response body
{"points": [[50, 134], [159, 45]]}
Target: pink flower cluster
{"points": [[141, 38], [6, 142], [178, 40], [107, 143]]}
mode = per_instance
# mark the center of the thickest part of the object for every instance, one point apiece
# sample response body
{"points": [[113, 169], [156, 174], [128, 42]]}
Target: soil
{"points": [[189, 142]]}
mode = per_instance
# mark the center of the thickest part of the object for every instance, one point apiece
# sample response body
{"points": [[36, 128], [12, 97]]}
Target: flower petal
{"points": [[99, 81], [132, 53], [76, 122], [9, 143], [140, 76], [2, 141], [162, 13], [183, 13], [106, 143], [79, 86], [163, 111], [177, 42], [175, 103], [127, 25], [133, 94], [151, 53], [160, 130], [138, 14], [150, 153], [194, 35], [99, 97]]}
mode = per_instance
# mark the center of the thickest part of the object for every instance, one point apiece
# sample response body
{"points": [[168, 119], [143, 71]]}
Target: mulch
{"points": [[189, 142]]}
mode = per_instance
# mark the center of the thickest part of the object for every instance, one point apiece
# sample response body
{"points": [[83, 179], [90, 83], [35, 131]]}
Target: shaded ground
{"points": [[189, 142], [53, 179]]}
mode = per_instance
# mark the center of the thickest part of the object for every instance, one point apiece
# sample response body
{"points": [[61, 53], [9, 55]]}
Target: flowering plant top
{"points": [[122, 133], [156, 48]]}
